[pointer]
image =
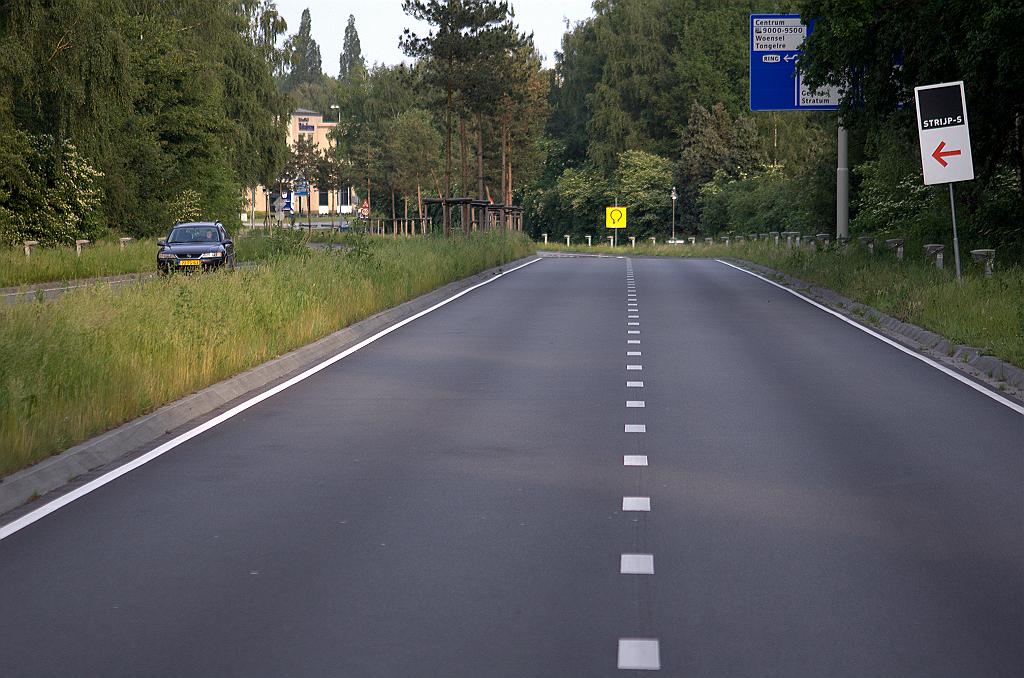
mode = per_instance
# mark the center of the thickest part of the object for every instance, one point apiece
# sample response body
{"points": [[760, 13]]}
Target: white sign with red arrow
{"points": [[943, 133]]}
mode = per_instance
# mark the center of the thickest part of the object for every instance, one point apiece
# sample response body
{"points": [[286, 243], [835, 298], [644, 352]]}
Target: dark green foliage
{"points": [[162, 99], [302, 56], [932, 41]]}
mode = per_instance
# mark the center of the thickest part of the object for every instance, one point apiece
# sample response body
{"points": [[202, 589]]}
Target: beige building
{"points": [[306, 124]]}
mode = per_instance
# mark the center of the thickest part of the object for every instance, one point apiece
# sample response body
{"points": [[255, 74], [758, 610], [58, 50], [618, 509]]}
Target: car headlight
{"points": [[166, 255], [211, 255]]}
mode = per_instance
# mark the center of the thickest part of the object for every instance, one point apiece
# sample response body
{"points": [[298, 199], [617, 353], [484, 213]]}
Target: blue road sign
{"points": [[301, 189], [776, 41]]}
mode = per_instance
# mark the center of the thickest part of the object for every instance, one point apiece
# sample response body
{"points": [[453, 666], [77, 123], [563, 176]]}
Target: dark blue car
{"points": [[196, 246]]}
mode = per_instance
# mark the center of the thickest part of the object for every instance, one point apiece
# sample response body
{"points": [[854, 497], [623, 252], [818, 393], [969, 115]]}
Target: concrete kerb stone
{"points": [[126, 440], [1002, 376]]}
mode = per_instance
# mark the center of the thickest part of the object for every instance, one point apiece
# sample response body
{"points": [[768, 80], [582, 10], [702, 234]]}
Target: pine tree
{"points": [[352, 62], [464, 31]]}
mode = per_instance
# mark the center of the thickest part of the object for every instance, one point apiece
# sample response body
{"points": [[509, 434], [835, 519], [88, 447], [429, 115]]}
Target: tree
{"points": [[352, 62], [878, 52], [302, 55], [462, 29], [413, 143]]}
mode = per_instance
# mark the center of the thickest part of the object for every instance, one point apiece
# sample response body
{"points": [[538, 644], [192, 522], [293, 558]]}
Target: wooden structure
{"points": [[475, 215]]}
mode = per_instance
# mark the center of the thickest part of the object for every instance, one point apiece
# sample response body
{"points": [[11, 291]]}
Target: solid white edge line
{"points": [[62, 501], [925, 359]]}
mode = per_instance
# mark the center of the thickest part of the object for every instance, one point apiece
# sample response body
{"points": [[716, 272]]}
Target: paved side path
{"points": [[526, 483]]}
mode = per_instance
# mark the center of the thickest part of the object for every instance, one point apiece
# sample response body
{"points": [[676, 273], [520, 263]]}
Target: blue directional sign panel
{"points": [[776, 41]]}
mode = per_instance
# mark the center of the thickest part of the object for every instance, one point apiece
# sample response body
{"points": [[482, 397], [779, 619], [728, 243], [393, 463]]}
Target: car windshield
{"points": [[194, 234]]}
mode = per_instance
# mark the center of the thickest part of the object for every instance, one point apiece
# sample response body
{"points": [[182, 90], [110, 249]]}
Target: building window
{"points": [[345, 193], [324, 198]]}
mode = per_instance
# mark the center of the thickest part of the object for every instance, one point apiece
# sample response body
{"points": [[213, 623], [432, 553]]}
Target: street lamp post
{"points": [[674, 197], [337, 191]]}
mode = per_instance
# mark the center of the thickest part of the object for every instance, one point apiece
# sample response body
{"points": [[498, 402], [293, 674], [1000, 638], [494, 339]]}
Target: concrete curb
{"points": [[1002, 376], [58, 470]]}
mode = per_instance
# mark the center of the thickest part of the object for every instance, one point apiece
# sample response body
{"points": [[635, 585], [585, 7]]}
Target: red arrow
{"points": [[940, 155]]}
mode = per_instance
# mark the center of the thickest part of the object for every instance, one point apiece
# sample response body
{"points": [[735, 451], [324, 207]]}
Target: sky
{"points": [[380, 23]]}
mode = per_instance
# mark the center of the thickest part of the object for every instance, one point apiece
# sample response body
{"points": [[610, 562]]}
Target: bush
{"points": [[55, 198]]}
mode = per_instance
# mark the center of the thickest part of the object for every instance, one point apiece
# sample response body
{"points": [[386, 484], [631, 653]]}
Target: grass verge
{"points": [[987, 313], [97, 357], [106, 258]]}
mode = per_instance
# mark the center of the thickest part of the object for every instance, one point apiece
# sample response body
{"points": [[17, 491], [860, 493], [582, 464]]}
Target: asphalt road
{"points": [[448, 502]]}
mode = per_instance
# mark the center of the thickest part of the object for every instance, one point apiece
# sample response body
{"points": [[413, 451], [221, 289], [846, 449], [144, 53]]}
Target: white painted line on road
{"points": [[634, 460], [634, 353], [632, 331], [639, 654], [632, 341], [635, 403], [636, 503], [942, 368], [634, 384], [58, 503], [636, 563], [632, 324], [636, 317], [636, 428], [636, 368]]}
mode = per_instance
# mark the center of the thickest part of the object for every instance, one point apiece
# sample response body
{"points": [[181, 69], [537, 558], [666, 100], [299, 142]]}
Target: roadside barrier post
{"points": [[611, 241], [29, 246], [987, 257], [654, 241], [545, 238], [588, 241], [124, 241], [823, 239], [632, 241], [79, 244], [567, 239], [868, 242], [897, 245], [935, 250], [693, 240], [775, 236]]}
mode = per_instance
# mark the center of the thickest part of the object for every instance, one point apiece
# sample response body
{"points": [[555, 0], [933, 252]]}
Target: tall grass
{"points": [[106, 258], [987, 313], [97, 357], [60, 263]]}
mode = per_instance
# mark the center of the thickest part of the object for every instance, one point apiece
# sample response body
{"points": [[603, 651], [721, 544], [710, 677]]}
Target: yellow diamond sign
{"points": [[615, 217]]}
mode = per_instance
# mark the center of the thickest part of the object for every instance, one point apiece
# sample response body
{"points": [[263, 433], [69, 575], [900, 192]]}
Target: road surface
{"points": [[449, 501]]}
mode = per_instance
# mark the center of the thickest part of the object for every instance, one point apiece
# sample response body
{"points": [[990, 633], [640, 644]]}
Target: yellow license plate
{"points": [[188, 262]]}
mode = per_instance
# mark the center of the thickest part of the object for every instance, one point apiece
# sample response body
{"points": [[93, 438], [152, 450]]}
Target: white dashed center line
{"points": [[635, 368], [632, 331], [632, 341], [633, 353], [639, 654], [636, 503], [634, 460], [634, 384], [636, 563], [636, 428], [635, 403]]}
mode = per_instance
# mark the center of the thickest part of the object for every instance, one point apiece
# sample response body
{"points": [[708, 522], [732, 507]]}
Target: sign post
{"points": [[615, 218], [776, 84], [945, 141]]}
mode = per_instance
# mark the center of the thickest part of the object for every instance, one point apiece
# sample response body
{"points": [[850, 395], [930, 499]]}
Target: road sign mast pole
{"points": [[843, 185], [956, 240]]}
